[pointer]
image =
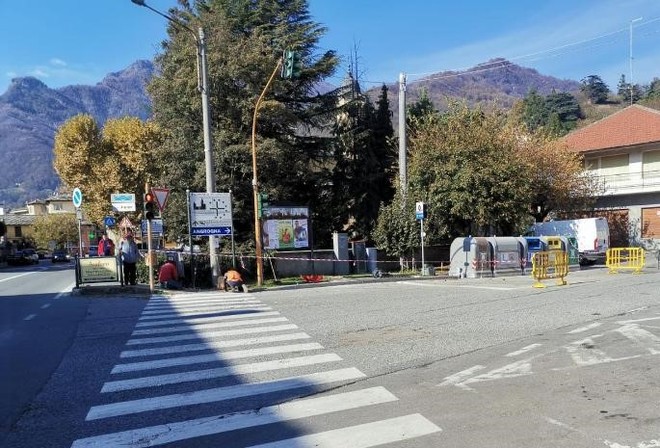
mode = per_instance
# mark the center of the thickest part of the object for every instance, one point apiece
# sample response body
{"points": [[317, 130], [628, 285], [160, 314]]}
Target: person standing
{"points": [[129, 254], [106, 247]]}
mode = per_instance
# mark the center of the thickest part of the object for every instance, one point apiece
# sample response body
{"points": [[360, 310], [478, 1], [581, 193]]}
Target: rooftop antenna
{"points": [[631, 57]]}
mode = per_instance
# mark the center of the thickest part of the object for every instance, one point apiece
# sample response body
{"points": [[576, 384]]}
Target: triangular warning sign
{"points": [[161, 195]]}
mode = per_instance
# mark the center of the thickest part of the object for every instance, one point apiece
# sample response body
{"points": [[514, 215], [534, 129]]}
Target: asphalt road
{"points": [[415, 363], [37, 325]]}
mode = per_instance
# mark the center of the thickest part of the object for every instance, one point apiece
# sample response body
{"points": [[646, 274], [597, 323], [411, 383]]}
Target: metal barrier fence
{"points": [[632, 258], [549, 264]]}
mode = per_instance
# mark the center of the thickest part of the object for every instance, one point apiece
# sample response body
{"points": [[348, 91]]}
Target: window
{"points": [[18, 232], [614, 165], [651, 163]]}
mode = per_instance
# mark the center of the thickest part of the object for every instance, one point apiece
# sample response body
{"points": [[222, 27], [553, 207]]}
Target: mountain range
{"points": [[31, 112]]}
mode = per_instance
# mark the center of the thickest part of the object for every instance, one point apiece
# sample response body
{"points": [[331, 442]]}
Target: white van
{"points": [[592, 235]]}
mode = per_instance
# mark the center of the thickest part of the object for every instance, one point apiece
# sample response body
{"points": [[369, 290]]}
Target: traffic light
{"points": [[291, 65], [262, 204], [150, 206]]}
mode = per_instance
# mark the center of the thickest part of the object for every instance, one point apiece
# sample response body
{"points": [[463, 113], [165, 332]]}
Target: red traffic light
{"points": [[150, 207]]}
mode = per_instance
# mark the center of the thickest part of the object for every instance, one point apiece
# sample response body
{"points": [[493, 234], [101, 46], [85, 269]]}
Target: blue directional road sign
{"points": [[109, 221], [206, 231]]}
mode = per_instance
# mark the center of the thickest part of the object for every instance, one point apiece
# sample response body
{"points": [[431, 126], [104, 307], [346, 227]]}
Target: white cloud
{"points": [[58, 62], [39, 73]]}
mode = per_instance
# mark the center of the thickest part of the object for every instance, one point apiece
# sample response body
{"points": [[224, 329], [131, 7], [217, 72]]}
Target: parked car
{"points": [[60, 255], [21, 258], [32, 254]]}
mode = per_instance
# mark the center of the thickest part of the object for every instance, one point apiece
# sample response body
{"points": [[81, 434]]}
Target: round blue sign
{"points": [[77, 197]]}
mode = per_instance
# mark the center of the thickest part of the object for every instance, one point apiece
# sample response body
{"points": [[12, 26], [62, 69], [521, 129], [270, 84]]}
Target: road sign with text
{"points": [[210, 214]]}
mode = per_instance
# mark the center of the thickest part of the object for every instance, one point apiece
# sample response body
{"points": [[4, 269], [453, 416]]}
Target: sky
{"points": [[64, 42]]}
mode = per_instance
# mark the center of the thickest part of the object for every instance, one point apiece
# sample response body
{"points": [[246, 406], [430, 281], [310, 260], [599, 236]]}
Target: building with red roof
{"points": [[623, 150]]}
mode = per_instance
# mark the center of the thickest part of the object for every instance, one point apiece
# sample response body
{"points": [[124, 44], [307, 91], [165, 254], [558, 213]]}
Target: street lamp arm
{"points": [[202, 86], [176, 22]]}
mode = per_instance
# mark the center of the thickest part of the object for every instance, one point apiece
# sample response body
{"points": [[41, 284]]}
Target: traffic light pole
{"points": [[255, 185], [149, 248]]}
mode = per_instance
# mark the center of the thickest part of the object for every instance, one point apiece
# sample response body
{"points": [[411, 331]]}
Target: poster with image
{"points": [[285, 228]]}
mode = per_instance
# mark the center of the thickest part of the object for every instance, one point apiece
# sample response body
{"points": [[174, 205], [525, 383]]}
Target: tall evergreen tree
{"points": [[566, 109], [595, 89], [244, 41], [535, 113]]}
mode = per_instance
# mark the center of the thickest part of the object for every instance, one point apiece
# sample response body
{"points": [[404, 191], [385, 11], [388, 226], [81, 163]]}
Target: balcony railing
{"points": [[626, 183]]}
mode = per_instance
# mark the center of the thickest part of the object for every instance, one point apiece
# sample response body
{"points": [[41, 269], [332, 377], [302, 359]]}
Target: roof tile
{"points": [[634, 125]]}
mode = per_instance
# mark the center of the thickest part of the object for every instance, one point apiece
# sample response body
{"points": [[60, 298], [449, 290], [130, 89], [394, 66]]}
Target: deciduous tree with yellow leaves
{"points": [[116, 159]]}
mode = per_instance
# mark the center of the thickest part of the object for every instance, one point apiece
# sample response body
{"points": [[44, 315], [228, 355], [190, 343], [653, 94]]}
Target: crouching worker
{"points": [[232, 279], [168, 276]]}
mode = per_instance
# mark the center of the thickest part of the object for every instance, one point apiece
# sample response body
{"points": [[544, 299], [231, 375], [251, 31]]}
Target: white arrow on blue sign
{"points": [[109, 221], [77, 197]]}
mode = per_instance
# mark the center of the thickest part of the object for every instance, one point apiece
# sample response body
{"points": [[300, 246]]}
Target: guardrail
{"points": [[631, 258], [549, 264]]}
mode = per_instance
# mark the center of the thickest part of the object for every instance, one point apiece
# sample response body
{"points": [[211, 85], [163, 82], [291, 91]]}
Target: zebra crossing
{"points": [[206, 364]]}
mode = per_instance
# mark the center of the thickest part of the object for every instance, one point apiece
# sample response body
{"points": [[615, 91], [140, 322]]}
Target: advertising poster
{"points": [[285, 228]]}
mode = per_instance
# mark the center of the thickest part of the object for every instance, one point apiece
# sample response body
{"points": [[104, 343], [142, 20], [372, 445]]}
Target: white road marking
{"points": [[222, 393], [585, 328], [65, 292], [184, 430], [194, 320], [211, 325], [642, 337], [523, 350], [45, 305], [363, 436], [198, 306], [180, 303], [211, 298], [584, 353], [30, 317], [16, 276], [211, 311], [215, 357], [457, 378], [210, 334], [633, 321], [655, 443], [456, 285], [513, 370], [212, 345], [199, 375]]}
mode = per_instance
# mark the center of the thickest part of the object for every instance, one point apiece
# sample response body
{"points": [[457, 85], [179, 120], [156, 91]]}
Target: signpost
{"points": [[109, 221], [210, 214], [420, 214], [123, 202], [77, 197]]}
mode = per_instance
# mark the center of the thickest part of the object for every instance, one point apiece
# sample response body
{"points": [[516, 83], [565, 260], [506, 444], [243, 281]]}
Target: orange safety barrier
{"points": [[633, 258], [549, 264]]}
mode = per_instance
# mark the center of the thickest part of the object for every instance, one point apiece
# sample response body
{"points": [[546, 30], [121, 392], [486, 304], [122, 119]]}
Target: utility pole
{"points": [[403, 164], [631, 58], [202, 87]]}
